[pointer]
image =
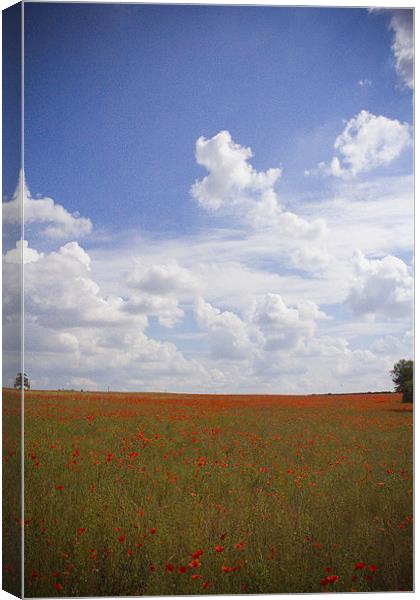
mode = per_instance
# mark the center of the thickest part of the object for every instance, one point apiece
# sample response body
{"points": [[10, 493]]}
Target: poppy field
{"points": [[162, 494]]}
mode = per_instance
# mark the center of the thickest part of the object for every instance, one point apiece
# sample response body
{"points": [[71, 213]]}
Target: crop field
{"points": [[147, 494]]}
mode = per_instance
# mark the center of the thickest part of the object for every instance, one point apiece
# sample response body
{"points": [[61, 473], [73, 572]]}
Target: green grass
{"points": [[293, 489]]}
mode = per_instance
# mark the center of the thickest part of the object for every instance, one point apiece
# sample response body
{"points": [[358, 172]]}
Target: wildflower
{"points": [[219, 548], [58, 586], [240, 546], [182, 569], [330, 579], [206, 584], [121, 538], [34, 574], [169, 567], [359, 565], [81, 531], [153, 530], [60, 488], [197, 553], [373, 568], [229, 569], [194, 563], [196, 576], [153, 568]]}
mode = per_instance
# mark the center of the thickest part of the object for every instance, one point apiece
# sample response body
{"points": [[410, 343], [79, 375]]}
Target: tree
{"points": [[18, 381], [402, 376]]}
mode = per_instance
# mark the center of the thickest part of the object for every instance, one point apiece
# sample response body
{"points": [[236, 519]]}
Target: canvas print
{"points": [[207, 299]]}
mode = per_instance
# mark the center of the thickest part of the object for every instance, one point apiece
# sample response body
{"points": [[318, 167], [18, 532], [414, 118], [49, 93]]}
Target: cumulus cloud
{"points": [[167, 310], [381, 287], [59, 289], [270, 325], [59, 222], [75, 331], [157, 290], [162, 280], [403, 44], [227, 333], [234, 187], [283, 327], [22, 254], [367, 141], [230, 174]]}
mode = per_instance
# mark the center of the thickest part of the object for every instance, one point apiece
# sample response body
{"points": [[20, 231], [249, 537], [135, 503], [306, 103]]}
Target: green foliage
{"points": [[402, 376]]}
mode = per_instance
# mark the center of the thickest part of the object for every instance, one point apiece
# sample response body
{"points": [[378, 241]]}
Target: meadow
{"points": [[147, 494]]}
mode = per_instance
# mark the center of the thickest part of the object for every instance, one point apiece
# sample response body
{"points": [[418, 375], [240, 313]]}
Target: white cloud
{"points": [[234, 188], [403, 44], [227, 333], [166, 310], [398, 347], [367, 141], [60, 291], [269, 326], [231, 178], [381, 287], [22, 254], [157, 289], [282, 327], [162, 280], [74, 331], [60, 223]]}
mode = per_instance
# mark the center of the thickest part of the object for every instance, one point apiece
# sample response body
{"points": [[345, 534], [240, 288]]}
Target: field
{"points": [[145, 494]]}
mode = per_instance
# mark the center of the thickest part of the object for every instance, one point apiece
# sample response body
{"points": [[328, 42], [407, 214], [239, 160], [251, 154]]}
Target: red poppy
{"points": [[329, 579], [219, 548], [121, 538], [206, 584], [182, 569], [34, 574], [194, 563], [197, 554], [153, 531], [58, 586], [59, 487], [328, 570], [196, 576], [229, 569], [81, 531], [153, 568], [170, 567], [240, 546], [360, 565], [373, 568]]}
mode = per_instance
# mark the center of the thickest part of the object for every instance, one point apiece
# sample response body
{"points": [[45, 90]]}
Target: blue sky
{"points": [[224, 268], [119, 94]]}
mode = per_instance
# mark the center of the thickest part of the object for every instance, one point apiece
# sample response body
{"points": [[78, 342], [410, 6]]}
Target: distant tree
{"points": [[402, 376], [19, 379]]}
